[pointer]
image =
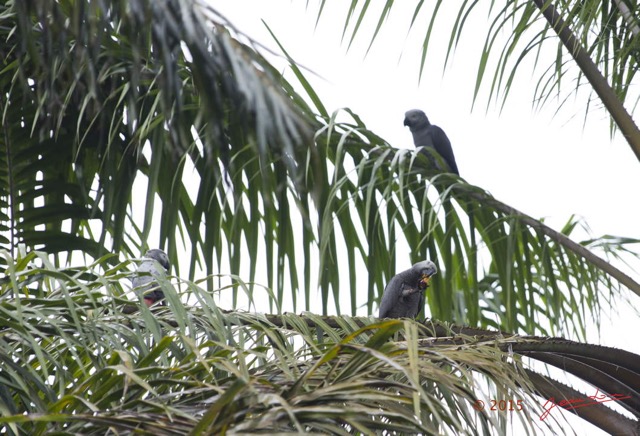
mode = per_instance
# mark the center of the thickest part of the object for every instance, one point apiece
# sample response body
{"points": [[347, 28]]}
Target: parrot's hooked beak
{"points": [[424, 281]]}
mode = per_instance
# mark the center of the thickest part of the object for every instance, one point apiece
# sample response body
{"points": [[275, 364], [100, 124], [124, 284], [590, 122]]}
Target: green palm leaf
{"points": [[81, 361]]}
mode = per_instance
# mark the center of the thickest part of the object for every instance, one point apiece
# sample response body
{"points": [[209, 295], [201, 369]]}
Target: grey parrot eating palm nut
{"points": [[403, 296]]}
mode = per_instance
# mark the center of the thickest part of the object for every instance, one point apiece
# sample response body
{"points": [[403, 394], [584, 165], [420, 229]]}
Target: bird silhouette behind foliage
{"points": [[155, 263]]}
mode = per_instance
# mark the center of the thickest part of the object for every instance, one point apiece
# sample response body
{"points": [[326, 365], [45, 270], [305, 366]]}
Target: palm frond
{"points": [[89, 88], [77, 362]]}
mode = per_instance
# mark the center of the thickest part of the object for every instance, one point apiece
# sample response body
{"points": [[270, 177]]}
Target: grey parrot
{"points": [[426, 134], [149, 269], [403, 296]]}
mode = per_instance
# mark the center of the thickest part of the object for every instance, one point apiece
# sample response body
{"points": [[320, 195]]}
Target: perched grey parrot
{"points": [[426, 134], [149, 269], [404, 295]]}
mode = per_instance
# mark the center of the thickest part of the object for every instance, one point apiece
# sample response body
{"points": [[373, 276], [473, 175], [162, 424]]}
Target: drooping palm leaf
{"points": [[78, 362], [88, 86]]}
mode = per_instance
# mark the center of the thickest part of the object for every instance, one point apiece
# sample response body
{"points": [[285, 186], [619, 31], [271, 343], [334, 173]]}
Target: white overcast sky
{"points": [[548, 164]]}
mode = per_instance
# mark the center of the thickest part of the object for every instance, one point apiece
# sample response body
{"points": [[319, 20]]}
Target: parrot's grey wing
{"points": [[443, 146], [390, 297], [398, 298]]}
